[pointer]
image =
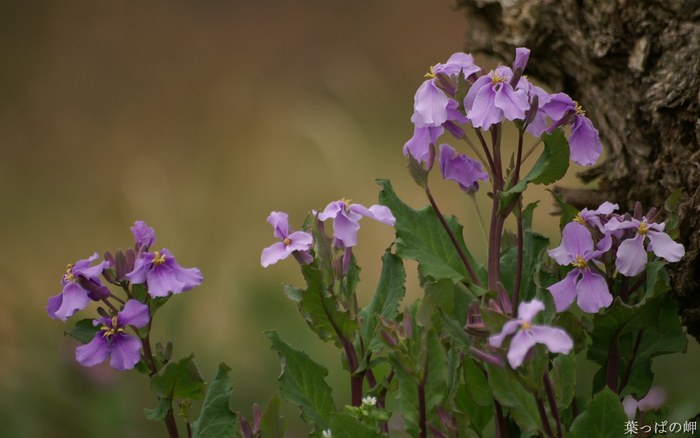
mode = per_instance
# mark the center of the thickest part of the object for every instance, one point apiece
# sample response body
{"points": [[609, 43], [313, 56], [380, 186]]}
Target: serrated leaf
{"points": [[216, 420], [604, 418], [385, 302], [302, 382], [179, 380], [271, 424], [421, 237], [83, 331]]}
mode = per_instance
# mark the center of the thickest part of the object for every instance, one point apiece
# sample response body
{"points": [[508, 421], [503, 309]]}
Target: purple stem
{"points": [[519, 263], [543, 417], [552, 402], [613, 362], [628, 370], [500, 423]]}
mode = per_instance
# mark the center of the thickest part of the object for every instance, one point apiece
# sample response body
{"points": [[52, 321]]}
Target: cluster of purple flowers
{"points": [[158, 271], [494, 96], [346, 216]]}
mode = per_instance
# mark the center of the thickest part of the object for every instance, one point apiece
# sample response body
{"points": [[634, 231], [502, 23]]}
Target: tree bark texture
{"points": [[634, 66]]}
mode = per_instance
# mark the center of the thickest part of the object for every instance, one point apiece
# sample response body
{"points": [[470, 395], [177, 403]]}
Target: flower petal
{"points": [[481, 82], [631, 256], [629, 404], [592, 291], [144, 236], [430, 105], [584, 142], [280, 223], [663, 246], [331, 210], [512, 103], [655, 398], [521, 343], [528, 310], [72, 299], [418, 146], [126, 352], [94, 352], [300, 241], [134, 313], [345, 229], [555, 339], [141, 267], [484, 111], [577, 239], [564, 292], [508, 329]]}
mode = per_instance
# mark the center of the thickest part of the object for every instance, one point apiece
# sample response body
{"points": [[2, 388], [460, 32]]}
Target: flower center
{"points": [[497, 78], [431, 73], [579, 110], [643, 228], [287, 241], [526, 325], [158, 258], [113, 330], [68, 276], [579, 262], [346, 201], [579, 219]]}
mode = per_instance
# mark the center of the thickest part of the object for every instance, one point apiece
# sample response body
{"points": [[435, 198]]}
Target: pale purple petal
{"points": [[607, 208], [96, 351], [561, 255], [564, 292], [84, 269], [273, 254], [300, 241], [663, 246], [484, 112], [577, 239], [171, 277], [654, 399], [134, 313], [592, 291], [629, 404], [460, 168], [430, 105], [528, 310], [483, 81], [558, 105], [144, 236], [458, 62], [382, 214], [345, 229], [64, 305], [141, 267], [125, 351], [555, 339], [508, 329], [160, 282], [418, 146], [331, 210], [522, 54], [512, 103], [584, 142], [521, 343], [280, 223], [631, 256], [604, 244]]}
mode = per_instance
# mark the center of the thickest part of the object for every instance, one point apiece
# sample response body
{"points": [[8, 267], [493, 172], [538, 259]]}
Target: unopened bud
{"points": [[486, 357]]}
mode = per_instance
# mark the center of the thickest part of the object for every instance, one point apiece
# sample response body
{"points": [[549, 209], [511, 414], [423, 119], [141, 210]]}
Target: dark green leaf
{"points": [[436, 383], [179, 380], [567, 211], [563, 376], [160, 411], [511, 394], [271, 424], [83, 331], [604, 418], [216, 420], [421, 237], [302, 382], [345, 426]]}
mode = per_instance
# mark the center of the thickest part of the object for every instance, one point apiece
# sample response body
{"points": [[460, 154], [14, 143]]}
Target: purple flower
{"points": [[631, 255], [538, 125], [576, 249], [419, 145], [655, 398], [584, 142], [457, 167], [592, 218], [522, 55], [555, 339], [80, 284], [112, 340], [346, 218], [290, 242], [492, 98], [144, 236], [162, 274], [458, 62]]}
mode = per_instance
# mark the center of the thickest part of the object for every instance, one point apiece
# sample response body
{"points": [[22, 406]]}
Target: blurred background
{"points": [[200, 119]]}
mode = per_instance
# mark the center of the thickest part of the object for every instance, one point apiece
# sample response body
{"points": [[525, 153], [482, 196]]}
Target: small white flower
{"points": [[369, 401], [327, 433]]}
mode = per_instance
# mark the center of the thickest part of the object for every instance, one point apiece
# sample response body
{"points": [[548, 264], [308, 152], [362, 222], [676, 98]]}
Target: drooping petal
{"points": [[512, 103], [614, 224], [418, 146], [561, 255], [528, 310], [345, 229], [522, 54], [144, 236], [83, 268], [161, 283], [300, 241], [663, 246], [484, 112], [458, 62], [558, 105], [141, 267], [631, 256], [460, 168], [508, 329], [629, 404], [577, 239], [94, 352], [481, 82], [382, 214], [134, 313], [555, 339], [564, 292], [280, 223], [607, 208], [273, 254], [584, 142], [592, 291], [64, 305], [125, 351], [171, 277], [331, 210], [654, 399], [521, 343], [430, 105]]}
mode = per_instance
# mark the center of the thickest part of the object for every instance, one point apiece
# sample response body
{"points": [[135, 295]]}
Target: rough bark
{"points": [[635, 68]]}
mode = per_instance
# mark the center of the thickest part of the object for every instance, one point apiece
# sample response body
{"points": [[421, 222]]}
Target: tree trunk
{"points": [[635, 68]]}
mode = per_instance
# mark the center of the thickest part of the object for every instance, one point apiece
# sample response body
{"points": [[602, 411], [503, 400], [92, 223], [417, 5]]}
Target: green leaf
{"points": [[407, 394], [302, 382], [386, 299], [83, 331], [563, 377], [534, 244], [436, 383], [179, 380], [271, 424], [216, 420], [477, 385], [160, 411], [568, 211], [345, 426], [604, 418], [421, 237], [510, 393]]}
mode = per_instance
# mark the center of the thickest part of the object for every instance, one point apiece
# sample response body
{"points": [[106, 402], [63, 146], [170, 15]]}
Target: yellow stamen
{"points": [[431, 73], [347, 201], [579, 110], [526, 325], [287, 241], [111, 331], [643, 228], [68, 276], [579, 219], [158, 258], [497, 79], [580, 262]]}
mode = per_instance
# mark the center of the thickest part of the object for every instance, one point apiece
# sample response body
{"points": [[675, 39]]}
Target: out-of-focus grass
{"points": [[199, 119]]}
